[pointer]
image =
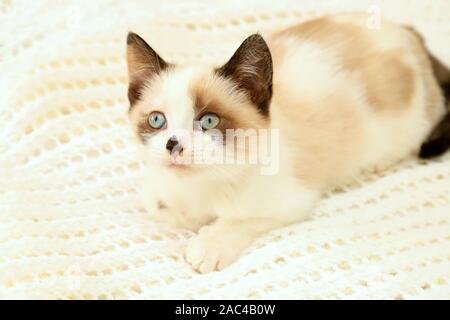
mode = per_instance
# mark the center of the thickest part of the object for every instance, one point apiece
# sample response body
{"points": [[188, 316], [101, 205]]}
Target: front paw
{"points": [[215, 248]]}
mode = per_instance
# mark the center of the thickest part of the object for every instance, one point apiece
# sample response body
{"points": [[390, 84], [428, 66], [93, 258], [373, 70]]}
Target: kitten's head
{"points": [[181, 114]]}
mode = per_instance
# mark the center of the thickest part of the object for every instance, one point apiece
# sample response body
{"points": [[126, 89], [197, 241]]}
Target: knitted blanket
{"points": [[71, 224]]}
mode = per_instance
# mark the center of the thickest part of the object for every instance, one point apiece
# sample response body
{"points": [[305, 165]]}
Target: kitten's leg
{"points": [[218, 245], [179, 218]]}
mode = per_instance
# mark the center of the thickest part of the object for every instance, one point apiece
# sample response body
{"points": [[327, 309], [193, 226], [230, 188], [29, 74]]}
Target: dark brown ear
{"points": [[143, 63], [251, 68]]}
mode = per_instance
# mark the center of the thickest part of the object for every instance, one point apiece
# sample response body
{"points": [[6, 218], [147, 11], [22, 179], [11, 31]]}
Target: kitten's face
{"points": [[184, 117]]}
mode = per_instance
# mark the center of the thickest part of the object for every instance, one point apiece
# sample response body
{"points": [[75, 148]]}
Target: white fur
{"points": [[230, 205]]}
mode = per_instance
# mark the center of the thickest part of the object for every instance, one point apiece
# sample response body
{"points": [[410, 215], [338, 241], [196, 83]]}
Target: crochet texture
{"points": [[71, 225]]}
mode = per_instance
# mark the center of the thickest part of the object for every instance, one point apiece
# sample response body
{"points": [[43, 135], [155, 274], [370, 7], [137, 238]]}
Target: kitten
{"points": [[341, 99]]}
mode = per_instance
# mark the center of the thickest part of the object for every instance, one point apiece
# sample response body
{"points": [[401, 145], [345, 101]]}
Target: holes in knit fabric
{"points": [[69, 191]]}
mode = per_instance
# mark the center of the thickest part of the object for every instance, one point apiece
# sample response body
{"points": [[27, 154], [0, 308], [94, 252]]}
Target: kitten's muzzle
{"points": [[174, 146]]}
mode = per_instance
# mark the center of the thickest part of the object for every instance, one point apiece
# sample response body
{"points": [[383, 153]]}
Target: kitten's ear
{"points": [[143, 63], [251, 68]]}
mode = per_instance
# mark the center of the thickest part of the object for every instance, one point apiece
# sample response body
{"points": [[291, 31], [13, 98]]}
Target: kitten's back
{"points": [[357, 98], [384, 59]]}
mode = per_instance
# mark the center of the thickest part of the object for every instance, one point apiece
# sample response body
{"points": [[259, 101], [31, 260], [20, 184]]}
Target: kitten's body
{"points": [[345, 98]]}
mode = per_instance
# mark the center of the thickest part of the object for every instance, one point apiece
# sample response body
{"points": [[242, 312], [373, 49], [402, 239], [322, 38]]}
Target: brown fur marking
{"points": [[233, 114], [143, 129], [441, 74], [251, 69], [143, 63], [389, 83]]}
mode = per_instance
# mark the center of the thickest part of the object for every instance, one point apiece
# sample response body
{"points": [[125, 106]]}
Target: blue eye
{"points": [[209, 121], [156, 120]]}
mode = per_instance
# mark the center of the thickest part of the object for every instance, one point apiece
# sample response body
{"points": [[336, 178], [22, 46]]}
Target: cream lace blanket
{"points": [[70, 222]]}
